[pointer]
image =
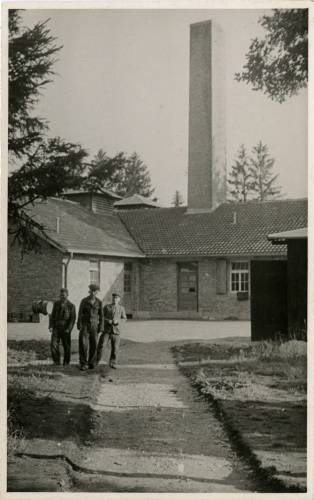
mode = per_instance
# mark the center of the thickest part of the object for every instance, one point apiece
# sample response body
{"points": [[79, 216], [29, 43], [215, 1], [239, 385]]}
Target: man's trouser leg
{"points": [[83, 345], [115, 342], [54, 346], [66, 343], [102, 345], [93, 335]]}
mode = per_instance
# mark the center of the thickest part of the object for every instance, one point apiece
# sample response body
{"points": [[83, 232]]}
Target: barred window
{"points": [[239, 281]]}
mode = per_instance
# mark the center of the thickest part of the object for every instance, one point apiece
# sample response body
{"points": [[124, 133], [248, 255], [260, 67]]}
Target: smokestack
{"points": [[207, 146]]}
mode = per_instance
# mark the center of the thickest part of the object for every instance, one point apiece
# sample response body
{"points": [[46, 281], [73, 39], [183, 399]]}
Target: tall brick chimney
{"points": [[207, 145]]}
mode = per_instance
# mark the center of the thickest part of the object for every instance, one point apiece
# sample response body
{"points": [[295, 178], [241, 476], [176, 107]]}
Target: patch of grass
{"points": [[25, 351], [15, 434], [21, 387], [259, 390]]}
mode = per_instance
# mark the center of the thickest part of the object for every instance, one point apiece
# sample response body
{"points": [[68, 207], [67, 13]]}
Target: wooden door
{"points": [[269, 313], [188, 286]]}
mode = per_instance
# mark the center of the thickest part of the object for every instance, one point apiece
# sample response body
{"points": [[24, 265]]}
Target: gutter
{"points": [[106, 254], [66, 265]]}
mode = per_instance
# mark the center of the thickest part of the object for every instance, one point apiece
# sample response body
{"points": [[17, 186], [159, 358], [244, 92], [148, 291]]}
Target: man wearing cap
{"points": [[114, 315], [89, 324], [61, 322]]}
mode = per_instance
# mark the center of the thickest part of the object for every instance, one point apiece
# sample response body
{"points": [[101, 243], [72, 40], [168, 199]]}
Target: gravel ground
{"points": [[141, 428], [147, 331]]}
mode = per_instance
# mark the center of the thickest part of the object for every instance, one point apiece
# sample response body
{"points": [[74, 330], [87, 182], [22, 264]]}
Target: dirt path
{"points": [[146, 430]]}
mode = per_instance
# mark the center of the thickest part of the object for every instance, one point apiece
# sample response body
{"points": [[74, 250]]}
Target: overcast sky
{"points": [[123, 82]]}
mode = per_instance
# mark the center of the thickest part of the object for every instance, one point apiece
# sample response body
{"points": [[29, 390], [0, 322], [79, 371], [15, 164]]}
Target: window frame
{"points": [[94, 267], [240, 272]]}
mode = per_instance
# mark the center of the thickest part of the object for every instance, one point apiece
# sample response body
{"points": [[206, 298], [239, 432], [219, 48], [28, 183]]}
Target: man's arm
{"points": [[107, 316], [79, 320], [101, 319], [123, 314], [72, 318], [52, 317]]}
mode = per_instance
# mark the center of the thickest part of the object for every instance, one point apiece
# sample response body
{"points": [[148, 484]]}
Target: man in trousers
{"points": [[114, 315], [61, 323], [89, 324]]}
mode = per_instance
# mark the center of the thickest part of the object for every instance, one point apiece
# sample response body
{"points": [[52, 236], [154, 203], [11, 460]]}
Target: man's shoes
{"points": [[91, 367], [113, 366], [83, 368]]}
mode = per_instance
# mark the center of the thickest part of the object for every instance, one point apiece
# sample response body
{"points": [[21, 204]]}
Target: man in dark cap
{"points": [[114, 315], [61, 323], [89, 323]]}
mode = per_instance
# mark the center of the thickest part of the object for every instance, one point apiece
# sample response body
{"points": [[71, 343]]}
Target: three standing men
{"points": [[92, 320]]}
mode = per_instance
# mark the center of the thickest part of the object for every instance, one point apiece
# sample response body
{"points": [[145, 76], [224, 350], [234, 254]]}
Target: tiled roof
{"points": [[295, 234], [82, 231], [232, 229], [97, 191], [136, 199]]}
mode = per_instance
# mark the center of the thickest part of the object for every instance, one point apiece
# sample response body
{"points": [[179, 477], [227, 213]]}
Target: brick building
{"points": [[166, 262], [81, 246]]}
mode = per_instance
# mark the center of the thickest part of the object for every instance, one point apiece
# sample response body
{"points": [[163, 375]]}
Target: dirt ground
{"points": [[139, 428], [262, 400]]}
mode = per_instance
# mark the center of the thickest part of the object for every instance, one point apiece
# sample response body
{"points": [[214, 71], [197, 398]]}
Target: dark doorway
{"points": [[269, 314], [187, 286]]}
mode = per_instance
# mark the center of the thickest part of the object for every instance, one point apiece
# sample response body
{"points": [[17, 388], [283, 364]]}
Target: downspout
{"points": [[66, 264]]}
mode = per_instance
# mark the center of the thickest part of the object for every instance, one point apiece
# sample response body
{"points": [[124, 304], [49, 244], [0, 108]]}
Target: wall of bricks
{"points": [[36, 277], [217, 306], [157, 286], [207, 150], [158, 294]]}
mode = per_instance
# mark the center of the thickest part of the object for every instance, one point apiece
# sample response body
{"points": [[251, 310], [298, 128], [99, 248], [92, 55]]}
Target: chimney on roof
{"points": [[58, 225], [207, 146]]}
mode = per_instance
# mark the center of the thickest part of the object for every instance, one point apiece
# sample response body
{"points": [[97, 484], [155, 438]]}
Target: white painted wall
{"points": [[111, 279], [78, 278]]}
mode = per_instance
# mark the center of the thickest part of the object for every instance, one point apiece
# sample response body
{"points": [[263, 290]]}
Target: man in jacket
{"points": [[89, 324], [114, 315], [61, 323]]}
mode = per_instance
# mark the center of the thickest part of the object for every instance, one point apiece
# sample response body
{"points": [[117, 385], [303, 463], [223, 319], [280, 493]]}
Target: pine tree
{"points": [[32, 54], [121, 174], [46, 166], [240, 177], [177, 199], [263, 183]]}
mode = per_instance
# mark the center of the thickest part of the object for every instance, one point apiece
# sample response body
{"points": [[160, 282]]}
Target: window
{"points": [[94, 272], [127, 277], [239, 276]]}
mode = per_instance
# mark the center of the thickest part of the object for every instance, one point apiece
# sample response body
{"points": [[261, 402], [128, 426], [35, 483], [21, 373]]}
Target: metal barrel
{"points": [[42, 307]]}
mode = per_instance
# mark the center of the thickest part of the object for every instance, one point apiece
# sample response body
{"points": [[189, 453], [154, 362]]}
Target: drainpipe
{"points": [[66, 264]]}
